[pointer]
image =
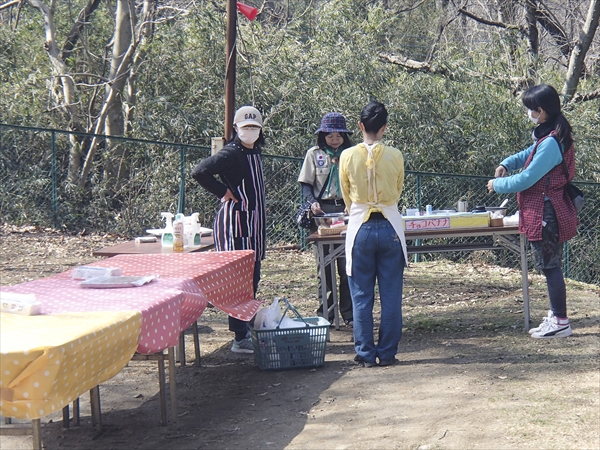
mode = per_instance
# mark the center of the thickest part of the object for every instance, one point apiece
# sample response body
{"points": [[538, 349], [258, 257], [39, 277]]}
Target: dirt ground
{"points": [[469, 377]]}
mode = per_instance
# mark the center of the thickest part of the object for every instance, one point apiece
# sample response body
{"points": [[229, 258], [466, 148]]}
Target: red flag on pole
{"points": [[249, 11]]}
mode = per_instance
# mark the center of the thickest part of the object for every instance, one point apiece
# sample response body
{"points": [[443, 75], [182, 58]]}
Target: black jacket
{"points": [[229, 164]]}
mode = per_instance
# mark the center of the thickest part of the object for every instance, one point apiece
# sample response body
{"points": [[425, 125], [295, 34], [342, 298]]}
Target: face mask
{"points": [[533, 119], [248, 136]]}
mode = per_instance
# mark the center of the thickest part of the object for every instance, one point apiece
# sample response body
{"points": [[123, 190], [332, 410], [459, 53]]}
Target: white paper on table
{"points": [[117, 282], [85, 272]]}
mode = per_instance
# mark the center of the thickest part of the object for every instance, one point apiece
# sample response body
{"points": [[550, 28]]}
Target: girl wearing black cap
{"points": [[320, 183]]}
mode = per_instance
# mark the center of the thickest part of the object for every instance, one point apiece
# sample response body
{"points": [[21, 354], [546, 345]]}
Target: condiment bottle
{"points": [[178, 233]]}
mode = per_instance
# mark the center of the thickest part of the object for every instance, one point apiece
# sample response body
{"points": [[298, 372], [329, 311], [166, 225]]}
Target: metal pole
{"points": [[524, 281], [181, 202], [54, 194], [417, 256], [230, 68]]}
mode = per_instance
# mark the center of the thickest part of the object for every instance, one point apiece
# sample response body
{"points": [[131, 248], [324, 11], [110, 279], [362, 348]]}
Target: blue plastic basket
{"points": [[291, 348]]}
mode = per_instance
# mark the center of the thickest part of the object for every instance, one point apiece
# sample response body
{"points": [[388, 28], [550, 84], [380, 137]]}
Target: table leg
{"points": [[323, 283], [181, 349], [95, 406], [162, 394], [76, 413], [36, 431], [66, 420], [196, 343], [173, 388], [334, 293], [524, 281]]}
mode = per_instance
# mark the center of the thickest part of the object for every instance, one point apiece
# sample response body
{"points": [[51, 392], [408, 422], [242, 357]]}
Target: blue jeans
{"points": [[377, 255]]}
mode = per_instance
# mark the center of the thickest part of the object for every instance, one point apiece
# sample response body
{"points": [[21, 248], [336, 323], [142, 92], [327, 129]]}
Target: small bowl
{"points": [[496, 209], [327, 219]]}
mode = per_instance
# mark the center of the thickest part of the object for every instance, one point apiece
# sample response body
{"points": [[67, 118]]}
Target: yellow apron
{"points": [[358, 213]]}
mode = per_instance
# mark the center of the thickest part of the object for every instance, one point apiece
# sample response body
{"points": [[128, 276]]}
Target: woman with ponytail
{"points": [[546, 214], [372, 179]]}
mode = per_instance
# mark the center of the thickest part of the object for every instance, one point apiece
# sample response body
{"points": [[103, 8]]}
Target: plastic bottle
{"points": [[178, 230], [191, 227], [167, 237], [195, 232]]}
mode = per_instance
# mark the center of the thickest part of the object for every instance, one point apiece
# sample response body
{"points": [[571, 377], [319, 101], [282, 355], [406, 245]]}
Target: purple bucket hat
{"points": [[333, 123]]}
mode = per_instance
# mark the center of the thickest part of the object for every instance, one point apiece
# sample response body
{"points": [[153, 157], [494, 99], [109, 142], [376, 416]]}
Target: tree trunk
{"points": [[533, 41], [114, 167], [61, 77], [146, 36], [580, 49]]}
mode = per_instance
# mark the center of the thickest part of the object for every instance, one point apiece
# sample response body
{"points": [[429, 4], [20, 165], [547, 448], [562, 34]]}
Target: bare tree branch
{"points": [[517, 84], [411, 8], [580, 49], [580, 98], [546, 19], [492, 23], [441, 29], [82, 20], [414, 66], [9, 4]]}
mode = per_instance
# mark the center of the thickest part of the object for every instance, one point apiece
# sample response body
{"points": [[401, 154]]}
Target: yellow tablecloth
{"points": [[47, 361]]}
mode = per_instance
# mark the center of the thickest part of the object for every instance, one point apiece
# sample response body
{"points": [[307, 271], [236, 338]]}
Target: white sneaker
{"points": [[551, 329], [243, 346], [544, 320]]}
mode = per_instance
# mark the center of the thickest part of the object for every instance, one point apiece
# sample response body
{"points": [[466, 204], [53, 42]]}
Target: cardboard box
{"points": [[447, 221]]}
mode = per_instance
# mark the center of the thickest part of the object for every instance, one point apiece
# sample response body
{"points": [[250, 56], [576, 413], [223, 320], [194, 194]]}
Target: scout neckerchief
{"points": [[334, 173]]}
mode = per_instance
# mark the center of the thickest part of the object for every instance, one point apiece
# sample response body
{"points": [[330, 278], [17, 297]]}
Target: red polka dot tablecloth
{"points": [[169, 304], [224, 278], [160, 302]]}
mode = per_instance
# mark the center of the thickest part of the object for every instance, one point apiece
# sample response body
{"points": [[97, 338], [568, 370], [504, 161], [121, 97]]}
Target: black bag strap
{"points": [[324, 187]]}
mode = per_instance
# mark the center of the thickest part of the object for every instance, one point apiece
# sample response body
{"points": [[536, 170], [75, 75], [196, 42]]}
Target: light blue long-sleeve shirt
{"points": [[547, 156]]}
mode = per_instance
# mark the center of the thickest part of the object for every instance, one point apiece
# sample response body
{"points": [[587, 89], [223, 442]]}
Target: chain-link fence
{"points": [[34, 189]]}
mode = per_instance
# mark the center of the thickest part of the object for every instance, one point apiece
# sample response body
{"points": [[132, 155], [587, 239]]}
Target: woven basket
{"points": [[330, 231]]}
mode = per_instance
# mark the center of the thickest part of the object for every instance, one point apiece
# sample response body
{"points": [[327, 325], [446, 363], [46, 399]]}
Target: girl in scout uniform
{"points": [[320, 170]]}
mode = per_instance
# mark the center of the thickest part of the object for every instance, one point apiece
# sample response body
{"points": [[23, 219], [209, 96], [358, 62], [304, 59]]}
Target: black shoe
{"points": [[361, 362], [387, 362]]}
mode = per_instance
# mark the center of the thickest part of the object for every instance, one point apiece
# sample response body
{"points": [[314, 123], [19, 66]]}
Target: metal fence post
{"points": [[54, 188], [417, 256], [181, 200], [302, 230]]}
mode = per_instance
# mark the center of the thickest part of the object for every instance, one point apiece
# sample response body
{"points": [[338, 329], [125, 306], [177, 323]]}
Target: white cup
{"points": [[462, 205], [412, 212]]}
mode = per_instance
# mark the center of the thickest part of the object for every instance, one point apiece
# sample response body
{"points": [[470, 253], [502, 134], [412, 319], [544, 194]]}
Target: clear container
{"points": [[327, 220]]}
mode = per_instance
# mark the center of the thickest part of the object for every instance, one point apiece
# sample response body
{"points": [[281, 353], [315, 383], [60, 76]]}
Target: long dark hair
{"points": [[545, 96], [373, 117], [322, 143]]}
